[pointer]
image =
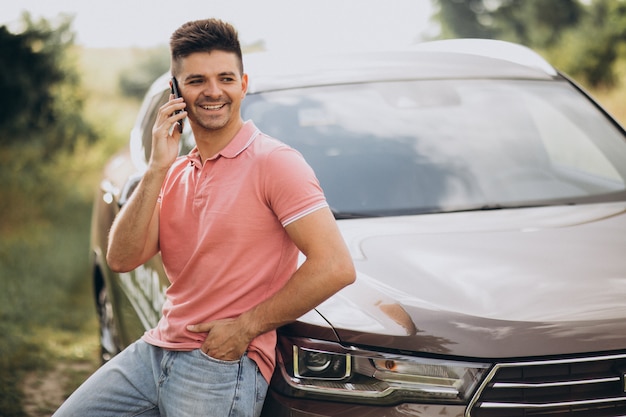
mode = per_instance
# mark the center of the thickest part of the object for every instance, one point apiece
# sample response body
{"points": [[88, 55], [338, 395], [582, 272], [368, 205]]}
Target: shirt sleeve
{"points": [[292, 189]]}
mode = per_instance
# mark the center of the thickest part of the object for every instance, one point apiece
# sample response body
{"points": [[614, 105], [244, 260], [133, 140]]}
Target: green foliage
{"points": [[44, 287], [462, 19], [41, 101], [583, 39], [135, 81], [600, 40], [40, 119], [536, 22], [45, 213]]}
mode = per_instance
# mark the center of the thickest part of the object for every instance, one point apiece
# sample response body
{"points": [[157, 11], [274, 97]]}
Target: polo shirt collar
{"points": [[241, 141], [237, 145]]}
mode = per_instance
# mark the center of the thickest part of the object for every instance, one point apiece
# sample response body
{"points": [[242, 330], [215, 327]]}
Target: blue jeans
{"points": [[145, 380]]}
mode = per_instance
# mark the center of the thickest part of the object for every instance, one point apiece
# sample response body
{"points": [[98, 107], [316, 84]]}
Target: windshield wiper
{"points": [[491, 207]]}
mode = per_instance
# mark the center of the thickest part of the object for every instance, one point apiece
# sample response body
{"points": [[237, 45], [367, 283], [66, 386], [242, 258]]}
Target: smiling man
{"points": [[229, 220]]}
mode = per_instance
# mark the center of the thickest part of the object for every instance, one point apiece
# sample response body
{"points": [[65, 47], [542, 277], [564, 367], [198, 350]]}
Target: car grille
{"points": [[579, 387]]}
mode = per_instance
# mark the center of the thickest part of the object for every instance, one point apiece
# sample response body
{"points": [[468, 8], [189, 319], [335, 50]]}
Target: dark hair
{"points": [[204, 36]]}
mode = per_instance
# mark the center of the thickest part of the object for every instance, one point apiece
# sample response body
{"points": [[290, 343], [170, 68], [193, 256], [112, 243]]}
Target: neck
{"points": [[211, 142]]}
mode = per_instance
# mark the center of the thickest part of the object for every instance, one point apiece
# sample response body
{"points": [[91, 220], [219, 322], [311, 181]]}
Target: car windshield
{"points": [[413, 147]]}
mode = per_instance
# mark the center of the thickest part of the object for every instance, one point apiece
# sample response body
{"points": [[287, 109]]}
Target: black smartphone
{"points": [[176, 93]]}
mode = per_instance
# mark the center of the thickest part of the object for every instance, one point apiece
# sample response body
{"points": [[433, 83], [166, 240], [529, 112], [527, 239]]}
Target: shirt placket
{"points": [[202, 192]]}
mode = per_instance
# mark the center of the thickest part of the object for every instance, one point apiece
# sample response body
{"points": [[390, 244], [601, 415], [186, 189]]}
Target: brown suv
{"points": [[483, 197]]}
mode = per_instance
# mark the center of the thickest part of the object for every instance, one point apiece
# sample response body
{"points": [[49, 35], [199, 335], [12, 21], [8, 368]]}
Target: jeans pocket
{"points": [[218, 361]]}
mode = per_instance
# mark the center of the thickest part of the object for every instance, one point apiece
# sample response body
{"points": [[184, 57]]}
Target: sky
{"points": [[317, 25]]}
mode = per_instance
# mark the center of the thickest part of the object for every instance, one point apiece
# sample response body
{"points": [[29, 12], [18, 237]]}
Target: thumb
{"points": [[200, 328]]}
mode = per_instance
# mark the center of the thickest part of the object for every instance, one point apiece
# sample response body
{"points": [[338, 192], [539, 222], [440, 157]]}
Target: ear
{"points": [[244, 85]]}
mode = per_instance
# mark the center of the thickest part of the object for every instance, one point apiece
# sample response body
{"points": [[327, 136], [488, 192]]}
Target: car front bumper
{"points": [[277, 405]]}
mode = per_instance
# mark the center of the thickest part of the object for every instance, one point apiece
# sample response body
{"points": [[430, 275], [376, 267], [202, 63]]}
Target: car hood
{"points": [[505, 283]]}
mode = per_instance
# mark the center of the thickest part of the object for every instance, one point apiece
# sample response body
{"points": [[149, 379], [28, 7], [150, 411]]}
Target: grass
{"points": [[46, 311]]}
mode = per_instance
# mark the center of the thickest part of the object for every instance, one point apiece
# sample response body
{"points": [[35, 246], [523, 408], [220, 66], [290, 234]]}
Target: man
{"points": [[229, 220]]}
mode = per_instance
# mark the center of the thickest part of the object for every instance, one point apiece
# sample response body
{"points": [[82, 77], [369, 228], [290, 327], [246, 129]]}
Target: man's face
{"points": [[213, 88]]}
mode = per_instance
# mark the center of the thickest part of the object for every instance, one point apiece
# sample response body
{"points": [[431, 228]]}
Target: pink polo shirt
{"points": [[222, 236]]}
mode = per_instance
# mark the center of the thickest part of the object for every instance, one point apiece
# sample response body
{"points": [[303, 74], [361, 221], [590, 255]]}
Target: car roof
{"points": [[448, 59]]}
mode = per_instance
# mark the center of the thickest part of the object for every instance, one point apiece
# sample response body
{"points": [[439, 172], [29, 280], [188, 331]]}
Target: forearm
{"points": [[313, 283], [327, 269], [134, 235]]}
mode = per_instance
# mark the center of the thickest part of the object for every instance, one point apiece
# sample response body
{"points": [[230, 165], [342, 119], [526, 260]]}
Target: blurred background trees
{"points": [[41, 101], [585, 39], [40, 117], [44, 219], [135, 80]]}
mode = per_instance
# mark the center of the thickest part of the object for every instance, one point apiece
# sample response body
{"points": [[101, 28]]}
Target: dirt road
{"points": [[45, 391]]}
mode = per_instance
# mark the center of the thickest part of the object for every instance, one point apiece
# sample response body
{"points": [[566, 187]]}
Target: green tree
{"points": [[591, 50], [529, 22], [538, 23], [43, 219], [583, 39], [41, 100], [463, 19], [134, 82], [40, 120]]}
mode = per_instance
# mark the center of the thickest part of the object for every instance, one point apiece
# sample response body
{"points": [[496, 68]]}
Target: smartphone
{"points": [[176, 93]]}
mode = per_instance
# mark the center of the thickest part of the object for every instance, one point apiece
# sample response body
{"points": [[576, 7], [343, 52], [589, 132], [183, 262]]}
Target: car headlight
{"points": [[314, 368]]}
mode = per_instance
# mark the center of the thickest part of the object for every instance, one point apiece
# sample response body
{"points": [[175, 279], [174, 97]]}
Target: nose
{"points": [[212, 89]]}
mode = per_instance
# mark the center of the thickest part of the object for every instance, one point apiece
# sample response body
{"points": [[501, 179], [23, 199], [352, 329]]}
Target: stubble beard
{"points": [[212, 123]]}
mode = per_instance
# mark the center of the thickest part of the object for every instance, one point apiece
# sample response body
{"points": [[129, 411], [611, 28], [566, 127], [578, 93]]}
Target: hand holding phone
{"points": [[176, 92]]}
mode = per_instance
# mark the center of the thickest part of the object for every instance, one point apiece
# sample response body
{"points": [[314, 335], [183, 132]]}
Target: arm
{"points": [[328, 268], [134, 235]]}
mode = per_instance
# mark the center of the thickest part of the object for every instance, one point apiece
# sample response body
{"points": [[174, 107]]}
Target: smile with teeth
{"points": [[213, 107]]}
